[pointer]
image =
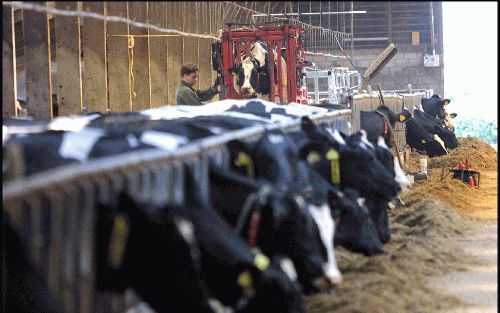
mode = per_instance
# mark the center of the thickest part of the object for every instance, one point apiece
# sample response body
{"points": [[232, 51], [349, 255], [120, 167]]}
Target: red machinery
{"points": [[285, 37]]}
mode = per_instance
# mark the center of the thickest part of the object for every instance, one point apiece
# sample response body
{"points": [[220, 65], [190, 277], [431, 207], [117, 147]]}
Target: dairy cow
{"points": [[437, 108], [434, 126], [252, 78], [276, 158], [275, 222], [379, 123], [420, 139]]}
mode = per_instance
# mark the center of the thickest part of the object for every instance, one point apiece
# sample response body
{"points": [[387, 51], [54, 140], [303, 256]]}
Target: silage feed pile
{"points": [[423, 242]]}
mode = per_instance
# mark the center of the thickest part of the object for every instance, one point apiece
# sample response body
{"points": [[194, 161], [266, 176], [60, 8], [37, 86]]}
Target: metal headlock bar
{"points": [[55, 212], [133, 160]]}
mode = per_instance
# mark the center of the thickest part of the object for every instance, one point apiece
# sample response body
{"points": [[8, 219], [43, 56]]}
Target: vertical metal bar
{"points": [[280, 72], [86, 266], [270, 66]]}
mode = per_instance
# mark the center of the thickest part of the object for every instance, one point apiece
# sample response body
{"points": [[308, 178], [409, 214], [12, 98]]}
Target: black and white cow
{"points": [[437, 127], [379, 123], [275, 222], [438, 109], [236, 275], [251, 78], [24, 289], [420, 139], [276, 158], [165, 282]]}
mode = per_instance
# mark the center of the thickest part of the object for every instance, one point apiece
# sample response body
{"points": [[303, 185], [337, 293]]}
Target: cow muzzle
{"points": [[326, 283], [247, 91]]}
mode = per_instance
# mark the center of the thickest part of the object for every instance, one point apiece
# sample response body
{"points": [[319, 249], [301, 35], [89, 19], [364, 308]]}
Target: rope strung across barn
{"points": [[118, 19], [310, 29]]}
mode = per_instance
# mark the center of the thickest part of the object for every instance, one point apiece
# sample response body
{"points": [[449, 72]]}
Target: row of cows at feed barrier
{"points": [[247, 227]]}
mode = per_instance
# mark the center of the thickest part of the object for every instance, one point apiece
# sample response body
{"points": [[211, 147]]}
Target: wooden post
{"points": [[157, 13], [9, 84], [204, 48], [69, 77], [94, 49], [37, 63], [175, 49], [118, 60]]}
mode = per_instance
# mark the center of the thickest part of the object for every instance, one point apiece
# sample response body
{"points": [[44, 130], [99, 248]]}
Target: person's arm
{"points": [[207, 94]]}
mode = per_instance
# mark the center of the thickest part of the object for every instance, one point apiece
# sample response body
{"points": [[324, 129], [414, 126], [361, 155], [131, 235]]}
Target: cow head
{"points": [[435, 106], [448, 120], [245, 77]]}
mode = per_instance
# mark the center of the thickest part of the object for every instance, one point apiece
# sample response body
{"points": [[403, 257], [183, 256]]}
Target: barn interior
{"points": [[72, 67]]}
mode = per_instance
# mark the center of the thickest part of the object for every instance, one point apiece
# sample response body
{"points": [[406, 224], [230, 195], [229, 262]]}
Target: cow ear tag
{"points": [[313, 157], [333, 156], [244, 159], [119, 236], [261, 261], [402, 118], [245, 281]]}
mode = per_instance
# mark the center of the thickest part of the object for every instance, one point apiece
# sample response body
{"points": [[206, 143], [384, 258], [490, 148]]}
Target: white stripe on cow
{"points": [[323, 218], [78, 145], [162, 140]]}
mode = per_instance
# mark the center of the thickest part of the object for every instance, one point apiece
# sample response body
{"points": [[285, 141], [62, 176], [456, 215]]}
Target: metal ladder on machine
{"points": [[339, 84]]}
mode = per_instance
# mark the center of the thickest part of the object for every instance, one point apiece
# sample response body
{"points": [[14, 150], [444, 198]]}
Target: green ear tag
{"points": [[333, 156], [118, 241], [244, 159], [261, 261]]}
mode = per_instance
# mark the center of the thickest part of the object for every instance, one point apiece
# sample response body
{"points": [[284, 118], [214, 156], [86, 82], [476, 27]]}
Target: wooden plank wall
{"points": [[175, 57], [9, 63], [38, 67], [139, 57], [395, 102], [117, 54], [94, 46], [157, 12], [69, 77], [97, 70]]}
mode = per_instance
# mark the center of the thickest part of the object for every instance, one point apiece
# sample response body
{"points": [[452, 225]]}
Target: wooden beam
{"points": [[9, 84], [94, 49], [118, 60], [68, 76], [38, 67], [190, 43], [139, 60], [175, 48], [157, 13]]}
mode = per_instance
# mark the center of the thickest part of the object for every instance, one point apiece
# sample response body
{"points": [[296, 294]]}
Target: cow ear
{"points": [[453, 115]]}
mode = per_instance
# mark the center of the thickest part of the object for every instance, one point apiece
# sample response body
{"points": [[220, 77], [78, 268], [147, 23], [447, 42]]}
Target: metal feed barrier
{"points": [[54, 211]]}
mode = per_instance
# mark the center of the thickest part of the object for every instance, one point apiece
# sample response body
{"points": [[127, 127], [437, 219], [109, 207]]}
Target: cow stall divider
{"points": [[285, 39], [54, 212]]}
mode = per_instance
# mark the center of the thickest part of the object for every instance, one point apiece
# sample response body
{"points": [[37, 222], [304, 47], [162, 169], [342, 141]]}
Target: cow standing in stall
{"points": [[251, 77]]}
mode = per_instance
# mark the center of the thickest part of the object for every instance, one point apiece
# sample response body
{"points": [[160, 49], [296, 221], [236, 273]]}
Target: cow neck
{"points": [[252, 208], [384, 118]]}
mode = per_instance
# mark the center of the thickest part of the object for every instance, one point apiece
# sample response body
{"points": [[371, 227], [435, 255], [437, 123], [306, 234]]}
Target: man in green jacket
{"points": [[186, 94]]}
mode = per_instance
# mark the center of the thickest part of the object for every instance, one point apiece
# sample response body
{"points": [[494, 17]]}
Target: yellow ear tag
{"points": [[402, 118], [261, 261], [119, 236], [313, 157], [423, 141], [245, 279], [333, 156], [244, 159]]}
